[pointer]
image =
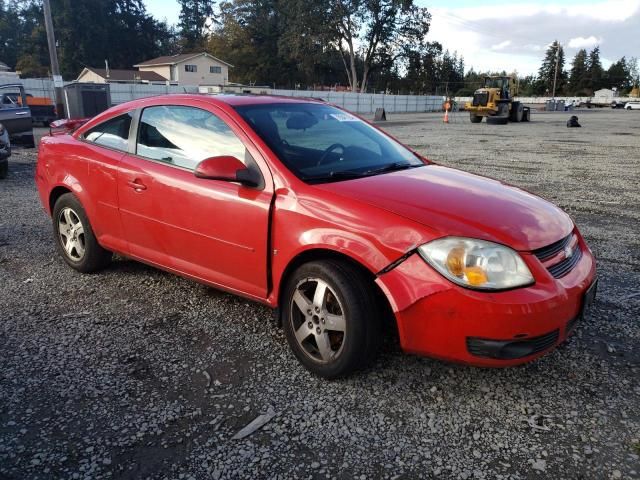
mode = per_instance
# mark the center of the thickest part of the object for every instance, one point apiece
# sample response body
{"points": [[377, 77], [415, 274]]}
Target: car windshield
{"points": [[320, 143]]}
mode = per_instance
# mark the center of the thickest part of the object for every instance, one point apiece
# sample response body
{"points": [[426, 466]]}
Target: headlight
{"points": [[477, 264]]}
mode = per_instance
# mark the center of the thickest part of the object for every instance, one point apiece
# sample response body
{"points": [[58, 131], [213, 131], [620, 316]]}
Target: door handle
{"points": [[22, 113], [137, 185]]}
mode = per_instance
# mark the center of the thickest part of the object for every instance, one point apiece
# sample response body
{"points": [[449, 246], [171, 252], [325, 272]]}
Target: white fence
{"points": [[354, 102], [369, 102]]}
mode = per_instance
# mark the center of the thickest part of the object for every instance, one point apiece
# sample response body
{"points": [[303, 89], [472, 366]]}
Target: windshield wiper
{"points": [[347, 174], [339, 175], [392, 167]]}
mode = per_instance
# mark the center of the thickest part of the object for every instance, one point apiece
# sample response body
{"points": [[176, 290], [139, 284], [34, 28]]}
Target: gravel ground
{"points": [[103, 376]]}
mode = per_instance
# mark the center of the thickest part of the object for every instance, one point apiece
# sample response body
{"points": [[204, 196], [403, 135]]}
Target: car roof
{"points": [[240, 99]]}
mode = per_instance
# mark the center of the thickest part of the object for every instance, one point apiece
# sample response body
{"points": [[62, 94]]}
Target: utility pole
{"points": [[53, 56], [555, 75]]}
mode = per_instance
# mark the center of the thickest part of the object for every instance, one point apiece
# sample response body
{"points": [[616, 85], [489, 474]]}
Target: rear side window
{"points": [[113, 133], [184, 136]]}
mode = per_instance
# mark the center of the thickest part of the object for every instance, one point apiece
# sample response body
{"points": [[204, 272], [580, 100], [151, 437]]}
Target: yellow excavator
{"points": [[495, 102]]}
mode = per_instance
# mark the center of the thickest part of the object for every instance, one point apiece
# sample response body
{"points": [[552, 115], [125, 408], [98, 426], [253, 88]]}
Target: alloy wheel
{"points": [[71, 234], [318, 320]]}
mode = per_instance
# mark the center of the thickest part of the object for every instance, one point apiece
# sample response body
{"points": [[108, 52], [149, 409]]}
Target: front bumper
{"points": [[439, 319]]}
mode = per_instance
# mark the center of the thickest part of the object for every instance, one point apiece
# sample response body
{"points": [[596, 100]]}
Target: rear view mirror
{"points": [[226, 168], [301, 121]]}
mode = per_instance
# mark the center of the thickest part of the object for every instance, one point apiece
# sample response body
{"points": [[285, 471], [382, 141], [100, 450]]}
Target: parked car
{"points": [[617, 104], [311, 210], [42, 108], [16, 117], [5, 152], [632, 106]]}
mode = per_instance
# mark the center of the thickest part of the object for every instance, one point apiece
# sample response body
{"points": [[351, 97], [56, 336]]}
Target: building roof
{"points": [[118, 75], [178, 58]]}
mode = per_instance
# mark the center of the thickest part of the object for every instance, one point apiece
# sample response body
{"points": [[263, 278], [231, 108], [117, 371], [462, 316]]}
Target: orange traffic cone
{"points": [[446, 116]]}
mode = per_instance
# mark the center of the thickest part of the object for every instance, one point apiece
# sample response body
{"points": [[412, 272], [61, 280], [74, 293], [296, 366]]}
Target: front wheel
{"points": [[330, 318], [475, 118], [75, 239]]}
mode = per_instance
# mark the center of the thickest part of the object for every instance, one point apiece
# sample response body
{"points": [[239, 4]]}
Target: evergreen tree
{"points": [[9, 33], [578, 78], [618, 75], [547, 74], [196, 20], [595, 72]]}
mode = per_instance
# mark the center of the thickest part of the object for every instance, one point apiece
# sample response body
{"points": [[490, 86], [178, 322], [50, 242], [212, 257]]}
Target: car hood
{"points": [[452, 202]]}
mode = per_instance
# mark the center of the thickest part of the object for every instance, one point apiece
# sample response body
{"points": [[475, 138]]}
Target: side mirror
{"points": [[226, 168]]}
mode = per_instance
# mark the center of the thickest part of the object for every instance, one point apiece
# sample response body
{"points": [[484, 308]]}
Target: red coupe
{"points": [[309, 209]]}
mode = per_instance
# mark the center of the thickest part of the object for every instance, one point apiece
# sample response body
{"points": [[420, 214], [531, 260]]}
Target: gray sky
{"points": [[508, 35]]}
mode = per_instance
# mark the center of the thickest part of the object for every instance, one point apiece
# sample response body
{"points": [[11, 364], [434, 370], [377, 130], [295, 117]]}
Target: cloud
{"points": [[501, 45], [581, 42], [518, 37]]}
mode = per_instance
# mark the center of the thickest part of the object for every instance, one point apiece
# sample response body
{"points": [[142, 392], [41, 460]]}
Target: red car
{"points": [[311, 210]]}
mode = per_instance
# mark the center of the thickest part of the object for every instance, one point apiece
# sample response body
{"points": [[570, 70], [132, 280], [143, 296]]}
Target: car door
{"points": [[216, 231], [15, 114], [102, 147]]}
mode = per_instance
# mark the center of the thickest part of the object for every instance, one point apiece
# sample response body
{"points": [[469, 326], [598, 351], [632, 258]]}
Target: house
{"points": [[604, 93], [189, 69], [236, 88], [6, 73], [111, 75]]}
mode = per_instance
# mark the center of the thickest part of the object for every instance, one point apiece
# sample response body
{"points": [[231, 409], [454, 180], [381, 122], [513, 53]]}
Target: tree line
{"points": [[88, 32], [359, 45], [584, 76]]}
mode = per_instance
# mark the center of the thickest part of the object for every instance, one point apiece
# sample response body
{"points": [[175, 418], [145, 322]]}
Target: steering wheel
{"points": [[329, 149]]}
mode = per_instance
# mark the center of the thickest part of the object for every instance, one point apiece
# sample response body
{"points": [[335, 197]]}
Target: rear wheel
{"points": [[475, 118], [517, 110], [75, 239], [330, 318]]}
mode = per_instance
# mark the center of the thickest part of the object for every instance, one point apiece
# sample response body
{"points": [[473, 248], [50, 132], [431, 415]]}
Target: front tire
{"points": [[74, 237], [475, 118], [330, 318]]}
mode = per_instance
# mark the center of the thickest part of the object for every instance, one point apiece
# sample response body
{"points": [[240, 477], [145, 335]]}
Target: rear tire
{"points": [[330, 318], [475, 118], [74, 237], [517, 110]]}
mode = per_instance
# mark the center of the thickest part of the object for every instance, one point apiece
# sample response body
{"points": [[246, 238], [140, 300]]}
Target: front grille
{"points": [[565, 265], [549, 251], [511, 349], [480, 99], [560, 269]]}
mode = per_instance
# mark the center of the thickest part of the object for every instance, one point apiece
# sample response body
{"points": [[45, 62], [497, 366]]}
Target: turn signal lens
{"points": [[477, 264], [476, 276]]}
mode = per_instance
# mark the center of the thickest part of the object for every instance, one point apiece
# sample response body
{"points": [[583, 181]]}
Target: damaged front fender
{"points": [[409, 282]]}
